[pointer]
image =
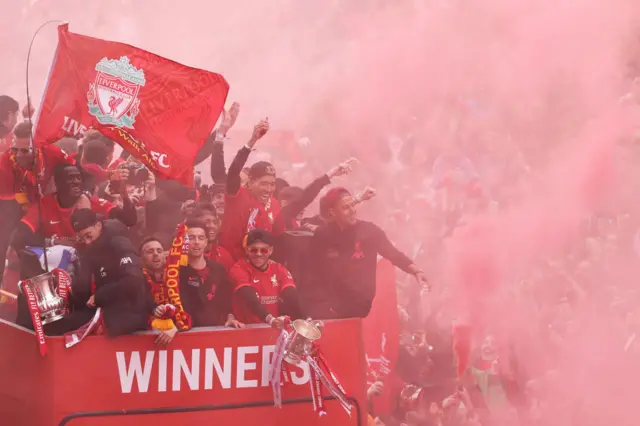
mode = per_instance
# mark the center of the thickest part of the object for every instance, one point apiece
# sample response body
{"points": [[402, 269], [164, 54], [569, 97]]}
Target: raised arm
{"points": [[387, 250], [291, 210], [218, 168], [233, 178]]}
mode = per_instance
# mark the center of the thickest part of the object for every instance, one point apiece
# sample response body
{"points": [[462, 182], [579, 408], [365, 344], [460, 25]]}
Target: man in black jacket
{"points": [[345, 254], [120, 287], [205, 288]]}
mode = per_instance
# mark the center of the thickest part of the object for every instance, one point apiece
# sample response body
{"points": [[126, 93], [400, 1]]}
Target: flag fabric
{"points": [[381, 332], [157, 109], [58, 257]]}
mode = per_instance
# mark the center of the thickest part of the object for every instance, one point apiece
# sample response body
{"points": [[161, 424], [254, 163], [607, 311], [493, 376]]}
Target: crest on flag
{"points": [[113, 96]]}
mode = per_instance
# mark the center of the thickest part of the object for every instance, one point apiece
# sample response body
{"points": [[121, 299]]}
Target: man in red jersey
{"points": [[264, 289], [207, 214], [56, 210], [253, 207], [20, 170]]}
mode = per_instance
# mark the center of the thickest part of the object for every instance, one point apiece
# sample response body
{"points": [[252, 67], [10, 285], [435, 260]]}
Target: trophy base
{"points": [[51, 317]]}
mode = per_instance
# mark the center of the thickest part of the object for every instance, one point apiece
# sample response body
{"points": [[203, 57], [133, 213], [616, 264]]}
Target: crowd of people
{"points": [[254, 256], [148, 253]]}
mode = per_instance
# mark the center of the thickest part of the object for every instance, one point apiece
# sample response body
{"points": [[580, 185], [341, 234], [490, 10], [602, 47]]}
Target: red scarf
{"points": [[25, 180], [176, 258], [157, 288]]}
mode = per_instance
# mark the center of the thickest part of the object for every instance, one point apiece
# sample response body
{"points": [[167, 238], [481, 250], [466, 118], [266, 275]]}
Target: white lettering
{"points": [[244, 366], [212, 362], [135, 369], [162, 371], [300, 380], [161, 159], [73, 127], [180, 366], [267, 352]]}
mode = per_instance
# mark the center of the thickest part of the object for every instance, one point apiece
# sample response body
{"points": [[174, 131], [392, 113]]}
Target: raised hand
{"points": [[367, 194], [343, 168], [229, 118], [259, 131]]}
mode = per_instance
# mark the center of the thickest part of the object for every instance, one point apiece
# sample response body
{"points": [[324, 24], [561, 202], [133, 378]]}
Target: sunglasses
{"points": [[261, 250], [21, 150]]}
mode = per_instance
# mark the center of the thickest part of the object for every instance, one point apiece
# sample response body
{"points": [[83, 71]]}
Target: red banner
{"points": [[381, 336], [157, 109], [213, 376]]}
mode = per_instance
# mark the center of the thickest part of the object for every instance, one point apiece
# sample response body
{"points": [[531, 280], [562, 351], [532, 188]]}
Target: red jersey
{"points": [[268, 284], [5, 143], [56, 221], [242, 213], [14, 179], [220, 255]]}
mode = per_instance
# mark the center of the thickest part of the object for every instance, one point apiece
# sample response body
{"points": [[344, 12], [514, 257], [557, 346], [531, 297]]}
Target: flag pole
{"points": [[32, 147]]}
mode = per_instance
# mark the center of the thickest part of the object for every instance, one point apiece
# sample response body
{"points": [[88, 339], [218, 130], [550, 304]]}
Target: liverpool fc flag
{"points": [[157, 109]]}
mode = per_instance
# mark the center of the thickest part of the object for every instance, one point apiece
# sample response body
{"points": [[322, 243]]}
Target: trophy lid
{"points": [[306, 329]]}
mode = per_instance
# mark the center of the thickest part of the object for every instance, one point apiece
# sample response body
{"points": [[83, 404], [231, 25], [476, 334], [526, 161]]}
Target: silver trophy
{"points": [[300, 343], [44, 287]]}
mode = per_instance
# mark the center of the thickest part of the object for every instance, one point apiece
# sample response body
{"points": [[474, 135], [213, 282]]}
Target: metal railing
{"points": [[171, 410]]}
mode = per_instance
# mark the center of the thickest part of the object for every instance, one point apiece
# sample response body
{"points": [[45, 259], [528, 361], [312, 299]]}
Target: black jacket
{"points": [[207, 300], [344, 265], [121, 289]]}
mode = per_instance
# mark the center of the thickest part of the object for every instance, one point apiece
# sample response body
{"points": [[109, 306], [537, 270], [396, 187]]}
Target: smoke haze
{"points": [[537, 79]]}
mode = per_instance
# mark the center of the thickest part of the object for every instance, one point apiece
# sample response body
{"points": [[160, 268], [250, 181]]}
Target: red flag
{"points": [[381, 336], [157, 109]]}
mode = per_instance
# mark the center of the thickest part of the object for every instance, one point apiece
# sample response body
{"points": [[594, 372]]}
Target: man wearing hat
{"points": [[264, 289], [253, 206], [119, 286], [345, 252]]}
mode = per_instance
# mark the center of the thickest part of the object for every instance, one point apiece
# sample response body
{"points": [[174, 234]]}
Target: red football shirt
{"points": [[268, 284], [5, 143], [220, 255], [56, 221], [14, 179], [242, 213]]}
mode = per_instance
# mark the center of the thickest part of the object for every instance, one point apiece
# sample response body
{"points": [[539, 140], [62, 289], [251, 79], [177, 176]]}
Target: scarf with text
{"points": [[165, 321], [177, 257], [26, 180]]}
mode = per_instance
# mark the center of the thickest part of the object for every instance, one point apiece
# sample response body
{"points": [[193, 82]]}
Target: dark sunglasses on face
{"points": [[21, 150], [255, 250]]}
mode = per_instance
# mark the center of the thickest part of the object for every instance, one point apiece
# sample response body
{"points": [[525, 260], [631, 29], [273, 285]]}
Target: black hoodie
{"points": [[120, 287]]}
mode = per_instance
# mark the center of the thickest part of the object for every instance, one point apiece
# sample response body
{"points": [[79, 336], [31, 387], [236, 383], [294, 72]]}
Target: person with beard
{"points": [[153, 268], [153, 258], [56, 210], [207, 214], [20, 170], [265, 291], [252, 207], [204, 286], [119, 286], [345, 253]]}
